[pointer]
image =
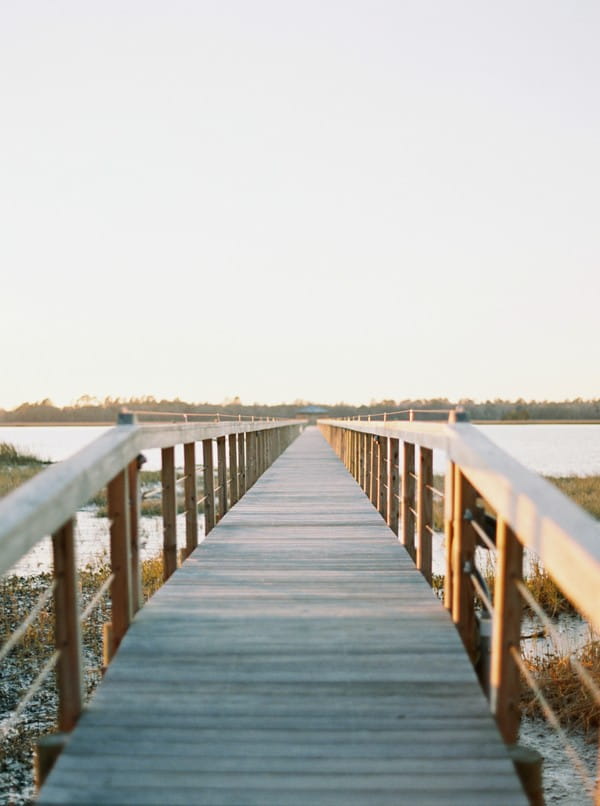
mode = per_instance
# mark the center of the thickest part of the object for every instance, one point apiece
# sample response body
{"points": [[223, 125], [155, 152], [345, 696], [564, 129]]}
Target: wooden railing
{"points": [[483, 486], [48, 503]]}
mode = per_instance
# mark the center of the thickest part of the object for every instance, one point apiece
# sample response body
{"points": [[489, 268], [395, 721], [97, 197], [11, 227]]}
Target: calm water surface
{"points": [[570, 450]]}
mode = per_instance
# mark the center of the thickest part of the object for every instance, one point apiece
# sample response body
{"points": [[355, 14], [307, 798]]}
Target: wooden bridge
{"points": [[298, 655]]}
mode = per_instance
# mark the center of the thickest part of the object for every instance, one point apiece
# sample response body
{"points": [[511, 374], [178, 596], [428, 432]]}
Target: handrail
{"points": [[44, 503], [48, 503], [529, 513], [566, 539]]}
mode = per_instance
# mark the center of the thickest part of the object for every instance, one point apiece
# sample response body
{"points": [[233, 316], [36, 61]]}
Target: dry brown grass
{"points": [[562, 688], [584, 490], [16, 467], [17, 596]]}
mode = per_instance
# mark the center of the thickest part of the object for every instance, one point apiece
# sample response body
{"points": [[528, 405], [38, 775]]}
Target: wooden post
{"points": [[394, 485], [222, 476], [425, 512], [267, 444], [137, 597], [528, 766], [374, 491], [265, 435], [349, 451], [362, 455], [505, 682], [233, 469], [463, 554], [241, 438], [408, 498], [67, 629], [449, 532], [209, 485], [169, 512], [250, 459], [191, 498], [258, 436], [382, 473], [46, 752], [120, 557], [368, 461]]}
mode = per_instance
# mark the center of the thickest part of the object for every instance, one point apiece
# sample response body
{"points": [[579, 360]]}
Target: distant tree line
{"points": [[91, 410]]}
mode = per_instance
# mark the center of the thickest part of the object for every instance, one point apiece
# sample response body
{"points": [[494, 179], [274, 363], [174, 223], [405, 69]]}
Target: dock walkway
{"points": [[297, 657]]}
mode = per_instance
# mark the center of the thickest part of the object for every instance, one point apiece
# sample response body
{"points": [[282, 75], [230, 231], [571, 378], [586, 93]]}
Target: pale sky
{"points": [[318, 200]]}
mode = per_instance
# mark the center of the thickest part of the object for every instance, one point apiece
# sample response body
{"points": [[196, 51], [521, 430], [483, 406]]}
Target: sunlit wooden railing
{"points": [[489, 500], [48, 503]]}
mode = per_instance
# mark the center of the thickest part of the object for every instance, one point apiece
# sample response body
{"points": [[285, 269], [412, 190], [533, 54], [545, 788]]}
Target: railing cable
{"points": [[553, 720], [20, 631], [11, 720]]}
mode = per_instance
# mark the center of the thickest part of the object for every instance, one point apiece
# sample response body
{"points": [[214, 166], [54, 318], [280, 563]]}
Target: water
{"points": [[92, 542], [56, 443], [567, 450], [552, 450]]}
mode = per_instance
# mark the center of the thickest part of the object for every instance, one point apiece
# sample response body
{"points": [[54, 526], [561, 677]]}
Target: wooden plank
{"points": [[394, 482], [505, 682], [67, 635], [221, 477], [374, 492], [448, 533], [137, 597], [383, 475], [242, 464], [463, 558], [169, 512], [209, 485], [425, 512], [297, 656], [120, 559], [408, 499], [191, 497], [233, 470]]}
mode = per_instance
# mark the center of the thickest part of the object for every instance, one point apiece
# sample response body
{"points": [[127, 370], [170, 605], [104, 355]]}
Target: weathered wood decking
{"points": [[297, 657]]}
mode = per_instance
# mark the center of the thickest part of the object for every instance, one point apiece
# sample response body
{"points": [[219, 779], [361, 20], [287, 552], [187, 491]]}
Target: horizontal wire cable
{"points": [[483, 536], [20, 631], [8, 722], [482, 593], [584, 675], [97, 597], [553, 720]]}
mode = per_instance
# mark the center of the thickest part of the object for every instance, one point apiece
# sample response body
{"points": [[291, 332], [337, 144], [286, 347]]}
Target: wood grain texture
{"points": [[297, 657]]}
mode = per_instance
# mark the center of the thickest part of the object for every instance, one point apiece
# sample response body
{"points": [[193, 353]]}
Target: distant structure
{"points": [[311, 413]]}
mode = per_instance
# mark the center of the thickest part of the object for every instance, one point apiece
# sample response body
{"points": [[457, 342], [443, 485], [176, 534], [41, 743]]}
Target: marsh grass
{"points": [[16, 467], [17, 596], [584, 490], [562, 688], [9, 455]]}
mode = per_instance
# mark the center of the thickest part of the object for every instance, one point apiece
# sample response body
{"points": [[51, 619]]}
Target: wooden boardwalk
{"points": [[297, 657]]}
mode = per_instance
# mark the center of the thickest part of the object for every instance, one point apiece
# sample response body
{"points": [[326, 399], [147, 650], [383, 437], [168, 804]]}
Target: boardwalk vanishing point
{"points": [[297, 657]]}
